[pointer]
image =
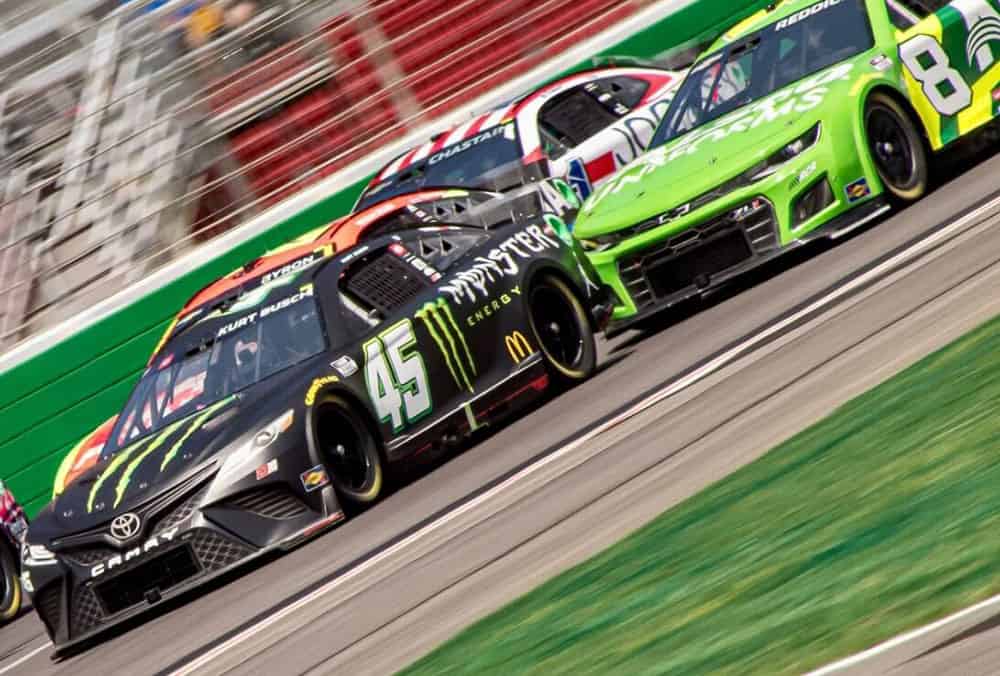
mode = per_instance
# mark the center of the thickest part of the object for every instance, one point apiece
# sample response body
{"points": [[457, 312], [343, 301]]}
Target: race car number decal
{"points": [[928, 63], [396, 378]]}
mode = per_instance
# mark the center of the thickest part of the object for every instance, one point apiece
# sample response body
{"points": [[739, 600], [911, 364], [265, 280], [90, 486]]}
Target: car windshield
{"points": [[223, 353], [776, 56], [471, 163]]}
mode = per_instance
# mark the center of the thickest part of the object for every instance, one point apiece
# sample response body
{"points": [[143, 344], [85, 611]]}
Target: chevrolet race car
{"points": [[282, 395], [13, 525], [807, 120], [580, 129]]}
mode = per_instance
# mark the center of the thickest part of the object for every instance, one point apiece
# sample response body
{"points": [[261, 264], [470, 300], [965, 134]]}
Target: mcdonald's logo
{"points": [[518, 347]]}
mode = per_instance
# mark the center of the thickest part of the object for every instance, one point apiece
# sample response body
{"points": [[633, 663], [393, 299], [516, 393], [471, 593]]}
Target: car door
{"points": [[416, 360], [951, 63]]}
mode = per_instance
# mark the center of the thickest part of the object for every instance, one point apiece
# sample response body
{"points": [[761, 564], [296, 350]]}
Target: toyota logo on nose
{"points": [[125, 526]]}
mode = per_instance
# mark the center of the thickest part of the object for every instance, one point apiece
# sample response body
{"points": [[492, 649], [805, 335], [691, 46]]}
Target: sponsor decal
{"points": [[470, 143], [804, 175], [298, 265], [355, 253], [579, 180], [345, 366], [881, 63], [417, 263], [158, 540], [125, 526], [314, 479], [996, 94], [858, 190], [518, 347], [267, 469], [983, 24], [474, 283], [792, 100], [440, 323], [805, 14], [494, 306], [250, 319], [317, 385], [558, 197]]}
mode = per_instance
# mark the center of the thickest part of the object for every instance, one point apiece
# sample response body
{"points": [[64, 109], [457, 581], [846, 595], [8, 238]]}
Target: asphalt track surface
{"points": [[671, 411]]}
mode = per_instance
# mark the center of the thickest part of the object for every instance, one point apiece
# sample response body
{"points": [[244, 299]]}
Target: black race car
{"points": [[283, 392]]}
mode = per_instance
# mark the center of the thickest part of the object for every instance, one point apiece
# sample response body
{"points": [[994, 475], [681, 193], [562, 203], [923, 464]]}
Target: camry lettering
{"points": [[158, 540]]}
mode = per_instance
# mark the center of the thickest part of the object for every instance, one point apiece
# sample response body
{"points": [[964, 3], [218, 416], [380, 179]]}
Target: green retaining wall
{"points": [[50, 401]]}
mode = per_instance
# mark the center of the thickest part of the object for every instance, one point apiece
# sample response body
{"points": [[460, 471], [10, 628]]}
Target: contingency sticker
{"points": [[315, 478]]}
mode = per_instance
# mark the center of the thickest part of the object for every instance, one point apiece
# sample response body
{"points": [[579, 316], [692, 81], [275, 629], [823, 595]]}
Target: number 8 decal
{"points": [[929, 65], [397, 382]]}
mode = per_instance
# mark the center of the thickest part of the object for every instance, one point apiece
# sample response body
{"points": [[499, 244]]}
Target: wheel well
{"points": [[358, 408], [560, 274], [907, 107]]}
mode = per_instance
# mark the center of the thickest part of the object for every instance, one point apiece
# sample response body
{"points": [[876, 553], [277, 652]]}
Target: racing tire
{"points": [[897, 149], [350, 453], [10, 595], [562, 331]]}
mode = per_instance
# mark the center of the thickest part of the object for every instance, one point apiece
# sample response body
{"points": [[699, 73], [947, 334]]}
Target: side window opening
{"points": [[573, 117]]}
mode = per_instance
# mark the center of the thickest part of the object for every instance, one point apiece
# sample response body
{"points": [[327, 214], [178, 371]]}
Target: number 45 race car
{"points": [[281, 395], [807, 120]]}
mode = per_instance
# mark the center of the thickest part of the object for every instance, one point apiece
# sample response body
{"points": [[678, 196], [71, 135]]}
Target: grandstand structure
{"points": [[134, 130]]}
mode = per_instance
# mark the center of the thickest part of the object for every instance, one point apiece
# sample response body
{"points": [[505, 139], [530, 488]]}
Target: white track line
{"points": [[673, 388], [904, 638], [24, 658]]}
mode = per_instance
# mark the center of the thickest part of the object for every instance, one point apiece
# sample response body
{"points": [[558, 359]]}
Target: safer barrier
{"points": [[61, 385]]}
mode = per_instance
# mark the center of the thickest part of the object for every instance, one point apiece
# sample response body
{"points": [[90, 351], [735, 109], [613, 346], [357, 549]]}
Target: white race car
{"points": [[581, 128]]}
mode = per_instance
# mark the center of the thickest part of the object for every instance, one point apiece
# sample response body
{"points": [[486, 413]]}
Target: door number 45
{"points": [[396, 377]]}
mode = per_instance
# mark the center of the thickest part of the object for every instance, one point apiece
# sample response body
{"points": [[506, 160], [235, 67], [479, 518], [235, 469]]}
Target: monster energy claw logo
{"points": [[132, 458], [450, 340]]}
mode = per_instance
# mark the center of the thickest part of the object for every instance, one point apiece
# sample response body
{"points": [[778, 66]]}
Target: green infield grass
{"points": [[880, 518]]}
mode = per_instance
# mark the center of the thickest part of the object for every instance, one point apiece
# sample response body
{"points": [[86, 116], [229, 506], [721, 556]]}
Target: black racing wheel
{"points": [[562, 330], [897, 148], [349, 451], [10, 585]]}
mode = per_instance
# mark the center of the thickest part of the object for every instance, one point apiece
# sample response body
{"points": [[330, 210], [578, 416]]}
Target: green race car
{"points": [[807, 120]]}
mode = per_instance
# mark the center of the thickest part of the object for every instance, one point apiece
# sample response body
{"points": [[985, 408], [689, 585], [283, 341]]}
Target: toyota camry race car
{"points": [[580, 129], [807, 120], [281, 395]]}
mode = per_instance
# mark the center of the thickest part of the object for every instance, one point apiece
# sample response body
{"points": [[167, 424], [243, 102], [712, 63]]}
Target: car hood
{"points": [[160, 462], [674, 174]]}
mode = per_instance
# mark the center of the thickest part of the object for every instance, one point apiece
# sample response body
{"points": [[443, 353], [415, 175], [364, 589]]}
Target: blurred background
{"points": [[133, 131]]}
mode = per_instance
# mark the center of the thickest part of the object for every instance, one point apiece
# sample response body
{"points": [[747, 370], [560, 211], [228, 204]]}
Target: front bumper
{"points": [[711, 254], [93, 587]]}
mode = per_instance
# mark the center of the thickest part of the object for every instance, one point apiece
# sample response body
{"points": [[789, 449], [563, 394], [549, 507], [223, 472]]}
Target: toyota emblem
{"points": [[126, 526]]}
